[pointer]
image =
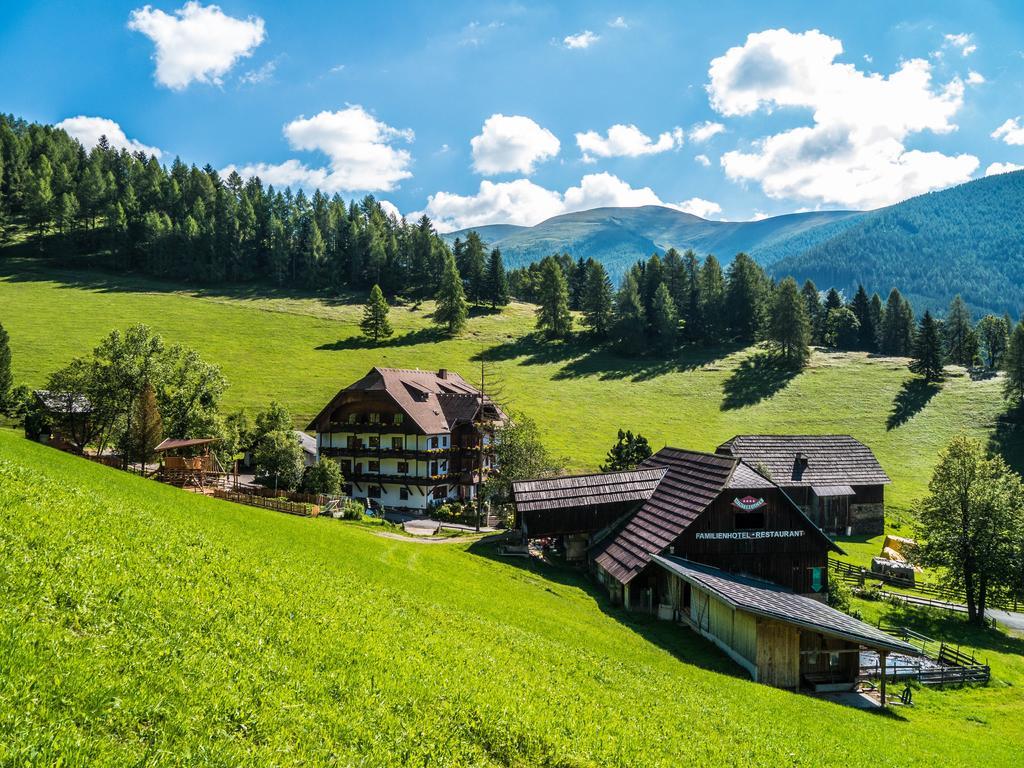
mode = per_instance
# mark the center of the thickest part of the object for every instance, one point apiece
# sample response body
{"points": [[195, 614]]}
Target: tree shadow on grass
{"points": [[1007, 439], [910, 400], [758, 377], [684, 645], [412, 338], [583, 358]]}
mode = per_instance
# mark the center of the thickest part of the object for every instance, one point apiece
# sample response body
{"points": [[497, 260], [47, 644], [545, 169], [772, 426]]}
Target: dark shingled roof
{"points": [[586, 490], [692, 481], [828, 460], [771, 601], [434, 401]]}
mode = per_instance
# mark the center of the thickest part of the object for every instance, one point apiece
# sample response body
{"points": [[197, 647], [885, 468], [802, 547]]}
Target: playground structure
{"points": [[191, 465]]}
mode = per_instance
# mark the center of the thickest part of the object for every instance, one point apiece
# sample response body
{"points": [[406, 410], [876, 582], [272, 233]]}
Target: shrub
{"points": [[323, 477], [839, 594], [352, 510]]}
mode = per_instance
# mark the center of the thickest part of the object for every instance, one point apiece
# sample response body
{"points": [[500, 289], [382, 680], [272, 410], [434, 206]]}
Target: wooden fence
{"points": [[268, 502], [955, 665], [932, 595]]}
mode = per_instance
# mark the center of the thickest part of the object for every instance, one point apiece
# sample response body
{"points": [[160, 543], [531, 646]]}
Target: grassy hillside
{"points": [[302, 350], [143, 625]]}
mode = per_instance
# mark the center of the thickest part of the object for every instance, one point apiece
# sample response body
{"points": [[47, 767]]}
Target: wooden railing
{"points": [[266, 502]]}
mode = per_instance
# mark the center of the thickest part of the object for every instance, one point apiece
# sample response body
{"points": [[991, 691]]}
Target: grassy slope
{"points": [[139, 623], [301, 351]]}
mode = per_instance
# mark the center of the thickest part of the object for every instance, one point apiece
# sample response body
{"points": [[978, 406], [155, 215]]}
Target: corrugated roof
{"points": [[434, 401], [308, 442], [63, 402], [802, 460], [692, 481], [586, 490], [774, 602], [832, 490]]}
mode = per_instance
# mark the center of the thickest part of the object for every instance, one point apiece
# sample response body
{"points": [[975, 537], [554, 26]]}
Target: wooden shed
{"points": [[781, 638]]}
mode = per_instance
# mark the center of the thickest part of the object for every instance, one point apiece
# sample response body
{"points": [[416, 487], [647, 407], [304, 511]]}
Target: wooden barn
{"points": [[835, 479], [780, 638], [719, 511], [580, 506]]}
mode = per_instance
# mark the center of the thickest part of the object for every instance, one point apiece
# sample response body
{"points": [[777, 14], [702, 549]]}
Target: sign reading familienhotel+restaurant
{"points": [[749, 535]]}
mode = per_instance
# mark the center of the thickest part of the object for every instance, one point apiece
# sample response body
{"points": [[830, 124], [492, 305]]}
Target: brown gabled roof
{"points": [[802, 460], [771, 601], [435, 401], [586, 490], [692, 481], [172, 443]]}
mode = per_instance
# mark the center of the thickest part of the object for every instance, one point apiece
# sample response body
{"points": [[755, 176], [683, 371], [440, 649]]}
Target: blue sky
{"points": [[512, 112]]}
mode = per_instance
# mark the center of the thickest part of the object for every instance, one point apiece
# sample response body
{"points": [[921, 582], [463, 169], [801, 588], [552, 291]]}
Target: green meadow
{"points": [[301, 350], [142, 625]]}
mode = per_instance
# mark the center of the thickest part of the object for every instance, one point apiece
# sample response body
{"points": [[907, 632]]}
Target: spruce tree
{"points": [[664, 319], [861, 308], [598, 300], [452, 311], [1013, 364], [897, 326], [812, 303], [627, 453], [875, 312], [961, 341], [473, 266], [928, 359], [496, 282], [712, 300], [375, 325], [6, 377], [689, 299], [788, 326], [630, 318], [553, 317], [746, 286]]}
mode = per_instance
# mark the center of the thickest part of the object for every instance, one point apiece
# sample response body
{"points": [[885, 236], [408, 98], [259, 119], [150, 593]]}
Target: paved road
{"points": [[1013, 621]]}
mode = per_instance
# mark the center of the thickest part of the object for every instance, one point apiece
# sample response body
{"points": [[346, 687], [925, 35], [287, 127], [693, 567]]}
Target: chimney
{"points": [[442, 373]]}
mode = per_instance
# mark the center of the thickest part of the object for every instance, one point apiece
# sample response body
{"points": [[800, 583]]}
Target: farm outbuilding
{"points": [[781, 638]]}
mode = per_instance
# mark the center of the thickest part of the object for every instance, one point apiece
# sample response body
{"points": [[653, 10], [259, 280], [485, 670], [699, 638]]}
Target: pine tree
{"points": [[861, 308], [897, 329], [688, 300], [6, 377], [875, 312], [712, 300], [788, 326], [746, 288], [928, 358], [597, 300], [496, 281], [553, 317], [812, 303], [627, 453], [472, 267], [1013, 364], [630, 318], [452, 311], [146, 427], [664, 319], [374, 324], [961, 341]]}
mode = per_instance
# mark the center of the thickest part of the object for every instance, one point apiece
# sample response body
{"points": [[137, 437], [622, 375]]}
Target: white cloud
{"points": [[358, 147], [89, 129], [198, 43], [523, 202], [854, 152], [626, 141], [511, 144], [997, 168], [390, 209], [704, 131], [260, 74], [583, 39], [618, 23], [703, 160], [476, 34], [1011, 132], [699, 207], [961, 41], [975, 78]]}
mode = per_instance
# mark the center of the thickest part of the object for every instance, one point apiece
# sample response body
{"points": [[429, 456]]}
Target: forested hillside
{"points": [[108, 208], [618, 237], [967, 240]]}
